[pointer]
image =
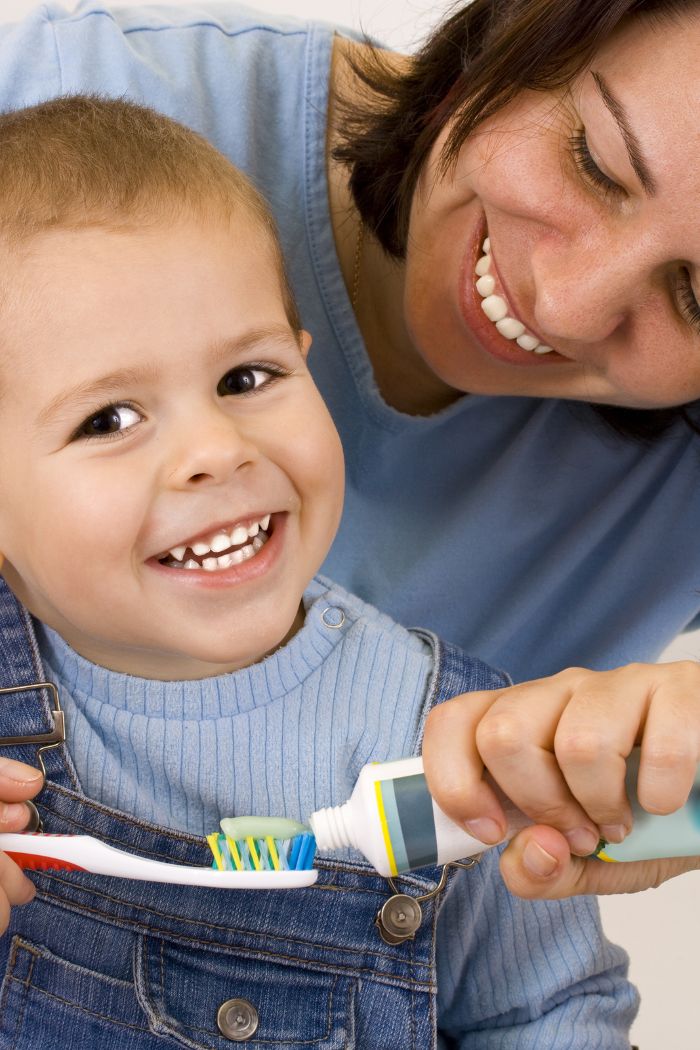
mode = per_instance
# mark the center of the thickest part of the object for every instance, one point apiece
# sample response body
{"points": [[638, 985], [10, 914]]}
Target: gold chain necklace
{"points": [[355, 288]]}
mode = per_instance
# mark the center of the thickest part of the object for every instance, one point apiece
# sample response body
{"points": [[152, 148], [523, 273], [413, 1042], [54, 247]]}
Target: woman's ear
{"points": [[305, 343]]}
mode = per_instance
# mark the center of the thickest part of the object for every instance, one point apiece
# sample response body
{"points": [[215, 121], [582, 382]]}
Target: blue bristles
{"points": [[262, 854]]}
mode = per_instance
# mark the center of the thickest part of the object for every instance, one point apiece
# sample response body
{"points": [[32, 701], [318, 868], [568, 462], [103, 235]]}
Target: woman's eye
{"points": [[110, 421], [588, 167], [246, 379], [689, 306]]}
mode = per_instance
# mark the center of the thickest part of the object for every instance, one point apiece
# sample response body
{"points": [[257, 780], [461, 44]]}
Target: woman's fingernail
{"points": [[582, 841], [12, 812], [613, 832], [485, 830], [18, 773], [538, 861]]}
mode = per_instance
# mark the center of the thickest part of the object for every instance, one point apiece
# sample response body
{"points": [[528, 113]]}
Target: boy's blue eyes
{"points": [[115, 419]]}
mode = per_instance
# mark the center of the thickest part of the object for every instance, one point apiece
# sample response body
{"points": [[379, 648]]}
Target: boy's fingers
{"points": [[537, 865], [17, 888], [14, 816], [18, 781], [454, 769]]}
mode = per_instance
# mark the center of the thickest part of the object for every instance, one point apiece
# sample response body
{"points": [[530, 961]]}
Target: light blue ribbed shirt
{"points": [[523, 530], [289, 735]]}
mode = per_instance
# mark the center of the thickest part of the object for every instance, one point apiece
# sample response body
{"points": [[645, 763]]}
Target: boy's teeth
{"points": [[221, 541], [238, 536], [496, 308]]}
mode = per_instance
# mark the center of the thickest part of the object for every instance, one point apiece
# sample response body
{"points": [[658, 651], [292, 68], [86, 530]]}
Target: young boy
{"points": [[170, 483]]}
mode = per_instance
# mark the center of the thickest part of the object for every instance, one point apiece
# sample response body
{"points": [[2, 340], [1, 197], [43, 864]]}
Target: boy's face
{"points": [[153, 397]]}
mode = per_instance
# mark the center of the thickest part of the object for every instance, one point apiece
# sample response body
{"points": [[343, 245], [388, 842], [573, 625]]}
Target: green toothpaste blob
{"points": [[262, 827]]}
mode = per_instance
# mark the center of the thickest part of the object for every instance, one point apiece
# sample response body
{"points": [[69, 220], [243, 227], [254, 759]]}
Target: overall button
{"points": [[399, 918], [237, 1020]]}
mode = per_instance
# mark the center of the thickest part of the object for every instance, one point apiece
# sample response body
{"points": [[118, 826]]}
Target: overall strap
{"points": [[457, 673], [31, 720]]}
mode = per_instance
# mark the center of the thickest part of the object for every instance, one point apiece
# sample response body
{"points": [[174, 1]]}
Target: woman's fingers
{"points": [[655, 705], [515, 739], [537, 864], [454, 769]]}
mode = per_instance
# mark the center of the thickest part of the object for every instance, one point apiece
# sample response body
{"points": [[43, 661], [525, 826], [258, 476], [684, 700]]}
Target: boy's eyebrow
{"points": [[221, 350], [632, 144]]}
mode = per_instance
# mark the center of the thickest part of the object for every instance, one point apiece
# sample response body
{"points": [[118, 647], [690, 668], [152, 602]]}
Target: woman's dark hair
{"points": [[471, 66]]}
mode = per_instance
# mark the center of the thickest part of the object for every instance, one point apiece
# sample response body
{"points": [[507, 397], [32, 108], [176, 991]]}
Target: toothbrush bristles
{"points": [[265, 854]]}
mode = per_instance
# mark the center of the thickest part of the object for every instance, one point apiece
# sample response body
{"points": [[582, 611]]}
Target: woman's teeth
{"points": [[215, 553], [496, 308]]}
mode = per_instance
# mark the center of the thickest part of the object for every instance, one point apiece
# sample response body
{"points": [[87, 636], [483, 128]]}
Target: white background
{"points": [[659, 928]]}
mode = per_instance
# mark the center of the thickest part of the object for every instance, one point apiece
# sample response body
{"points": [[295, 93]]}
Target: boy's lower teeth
{"points": [[219, 562]]}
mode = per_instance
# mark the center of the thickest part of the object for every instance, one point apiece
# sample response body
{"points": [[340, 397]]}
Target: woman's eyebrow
{"points": [[634, 149]]}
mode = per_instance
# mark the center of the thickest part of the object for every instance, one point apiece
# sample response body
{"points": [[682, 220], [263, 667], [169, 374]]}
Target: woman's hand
{"points": [[18, 783], [558, 747]]}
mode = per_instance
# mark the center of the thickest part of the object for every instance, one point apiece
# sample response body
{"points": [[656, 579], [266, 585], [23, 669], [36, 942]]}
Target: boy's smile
{"points": [[170, 479]]}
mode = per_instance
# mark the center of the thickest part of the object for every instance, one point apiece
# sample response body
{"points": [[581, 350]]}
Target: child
{"points": [[170, 483]]}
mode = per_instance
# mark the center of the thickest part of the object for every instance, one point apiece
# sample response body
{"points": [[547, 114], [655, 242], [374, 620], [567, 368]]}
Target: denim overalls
{"points": [[106, 963]]}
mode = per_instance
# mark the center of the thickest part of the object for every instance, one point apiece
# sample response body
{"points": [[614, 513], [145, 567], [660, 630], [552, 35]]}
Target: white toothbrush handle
{"points": [[84, 853]]}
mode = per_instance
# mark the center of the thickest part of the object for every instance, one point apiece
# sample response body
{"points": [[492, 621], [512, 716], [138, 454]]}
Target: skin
{"points": [[185, 459], [605, 273]]}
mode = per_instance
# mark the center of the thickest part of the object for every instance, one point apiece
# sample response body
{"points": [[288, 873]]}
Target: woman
{"points": [[512, 216]]}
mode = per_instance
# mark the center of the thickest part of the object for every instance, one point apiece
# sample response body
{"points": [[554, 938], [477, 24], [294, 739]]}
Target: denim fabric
{"points": [[99, 962]]}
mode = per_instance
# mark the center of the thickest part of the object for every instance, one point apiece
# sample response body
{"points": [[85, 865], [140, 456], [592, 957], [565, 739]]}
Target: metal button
{"points": [[399, 918], [333, 617], [237, 1020]]}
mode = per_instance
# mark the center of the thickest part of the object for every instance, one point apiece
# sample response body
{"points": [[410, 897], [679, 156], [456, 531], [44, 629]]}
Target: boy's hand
{"points": [[18, 783], [558, 747]]}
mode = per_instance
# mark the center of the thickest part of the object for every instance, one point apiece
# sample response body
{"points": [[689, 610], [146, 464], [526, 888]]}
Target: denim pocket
{"points": [[293, 1005], [46, 1001]]}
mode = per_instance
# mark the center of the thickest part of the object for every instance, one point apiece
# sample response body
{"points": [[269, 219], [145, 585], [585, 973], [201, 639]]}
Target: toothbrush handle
{"points": [[84, 853]]}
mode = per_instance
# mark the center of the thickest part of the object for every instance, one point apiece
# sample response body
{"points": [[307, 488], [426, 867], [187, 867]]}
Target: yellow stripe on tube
{"points": [[385, 828]]}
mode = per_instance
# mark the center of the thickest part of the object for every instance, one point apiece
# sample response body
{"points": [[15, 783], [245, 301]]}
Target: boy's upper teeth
{"points": [[497, 310], [222, 539]]}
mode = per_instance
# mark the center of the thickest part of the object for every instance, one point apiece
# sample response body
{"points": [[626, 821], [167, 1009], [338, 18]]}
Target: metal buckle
{"points": [[54, 737], [400, 916]]}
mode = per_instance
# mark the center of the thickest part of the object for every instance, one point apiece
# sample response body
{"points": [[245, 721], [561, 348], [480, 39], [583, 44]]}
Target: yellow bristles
{"points": [[273, 852], [250, 843], [213, 841], [235, 855]]}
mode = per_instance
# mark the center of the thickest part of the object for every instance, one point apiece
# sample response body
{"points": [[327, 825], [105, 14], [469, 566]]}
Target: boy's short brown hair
{"points": [[83, 160]]}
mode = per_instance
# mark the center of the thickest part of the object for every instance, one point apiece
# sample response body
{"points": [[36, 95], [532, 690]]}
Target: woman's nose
{"points": [[586, 294], [211, 451]]}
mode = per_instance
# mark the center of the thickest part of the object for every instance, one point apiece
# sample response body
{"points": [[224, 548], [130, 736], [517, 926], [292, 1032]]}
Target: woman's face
{"points": [[590, 199]]}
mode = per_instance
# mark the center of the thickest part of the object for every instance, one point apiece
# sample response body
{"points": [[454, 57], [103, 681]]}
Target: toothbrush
{"points": [[263, 863]]}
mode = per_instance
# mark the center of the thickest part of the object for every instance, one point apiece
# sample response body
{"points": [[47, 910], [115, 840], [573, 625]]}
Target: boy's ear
{"points": [[305, 343]]}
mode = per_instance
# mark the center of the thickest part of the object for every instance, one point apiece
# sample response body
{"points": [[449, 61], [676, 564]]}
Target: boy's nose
{"points": [[211, 452]]}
